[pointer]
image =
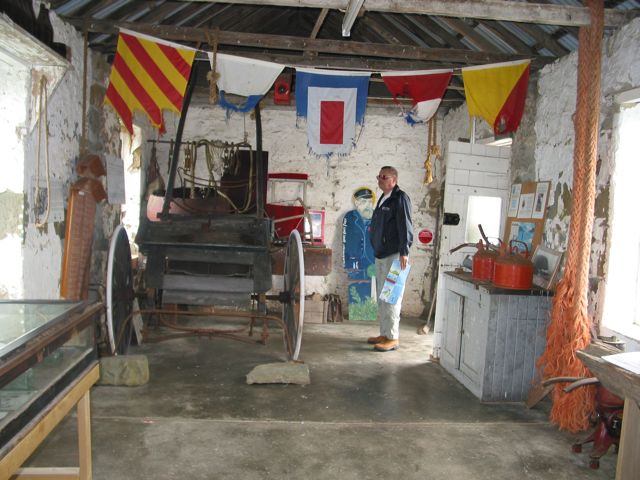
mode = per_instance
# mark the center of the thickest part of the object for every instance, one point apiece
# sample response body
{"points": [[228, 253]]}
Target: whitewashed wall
{"points": [[43, 248], [38, 260], [14, 79], [385, 140], [553, 135], [554, 150]]}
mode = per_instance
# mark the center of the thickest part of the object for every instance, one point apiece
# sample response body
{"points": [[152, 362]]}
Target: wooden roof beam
{"points": [[339, 62], [511, 11], [285, 42]]}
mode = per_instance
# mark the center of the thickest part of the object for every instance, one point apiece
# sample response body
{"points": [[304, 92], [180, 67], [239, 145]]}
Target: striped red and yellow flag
{"points": [[497, 93], [150, 75]]}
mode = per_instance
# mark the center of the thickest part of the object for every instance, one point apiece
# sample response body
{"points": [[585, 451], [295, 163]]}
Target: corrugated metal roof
{"points": [[282, 32]]}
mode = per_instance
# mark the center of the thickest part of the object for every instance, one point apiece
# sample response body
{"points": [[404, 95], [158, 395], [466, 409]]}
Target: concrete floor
{"points": [[365, 415]]}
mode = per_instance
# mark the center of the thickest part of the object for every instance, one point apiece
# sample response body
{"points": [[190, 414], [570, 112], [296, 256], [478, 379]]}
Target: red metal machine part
{"points": [[607, 420]]}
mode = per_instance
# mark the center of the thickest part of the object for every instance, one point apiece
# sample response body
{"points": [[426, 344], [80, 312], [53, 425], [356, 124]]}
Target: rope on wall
{"points": [[433, 151], [570, 326], [213, 75]]}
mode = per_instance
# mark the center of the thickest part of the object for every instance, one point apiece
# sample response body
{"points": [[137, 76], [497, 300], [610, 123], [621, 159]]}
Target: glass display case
{"points": [[44, 347]]}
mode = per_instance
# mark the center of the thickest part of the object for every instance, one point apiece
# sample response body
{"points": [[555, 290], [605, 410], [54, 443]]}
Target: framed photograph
{"points": [[540, 202], [546, 263], [514, 200], [525, 209], [523, 232]]}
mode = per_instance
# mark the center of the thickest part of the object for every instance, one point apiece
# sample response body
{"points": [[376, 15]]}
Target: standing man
{"points": [[391, 236]]}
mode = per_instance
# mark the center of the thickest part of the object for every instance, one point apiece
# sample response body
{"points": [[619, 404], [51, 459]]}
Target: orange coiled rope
{"points": [[570, 327]]}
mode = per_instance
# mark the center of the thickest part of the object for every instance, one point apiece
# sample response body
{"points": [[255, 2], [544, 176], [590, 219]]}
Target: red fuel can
{"points": [[513, 270], [483, 263]]}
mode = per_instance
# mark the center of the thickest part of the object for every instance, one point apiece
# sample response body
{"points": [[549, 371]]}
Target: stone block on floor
{"points": [[124, 370], [281, 372]]}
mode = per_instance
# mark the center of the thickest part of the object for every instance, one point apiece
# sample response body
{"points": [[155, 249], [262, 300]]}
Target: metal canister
{"points": [[513, 269], [483, 263]]}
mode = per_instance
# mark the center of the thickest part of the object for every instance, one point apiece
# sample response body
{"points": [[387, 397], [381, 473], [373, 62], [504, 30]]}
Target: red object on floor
{"points": [[608, 426]]}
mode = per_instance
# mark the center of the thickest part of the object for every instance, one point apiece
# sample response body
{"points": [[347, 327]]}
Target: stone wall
{"points": [[40, 256], [543, 146]]}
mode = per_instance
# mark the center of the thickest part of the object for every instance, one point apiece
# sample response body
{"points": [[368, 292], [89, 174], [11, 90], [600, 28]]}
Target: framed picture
{"points": [[523, 232], [514, 200], [546, 263], [540, 201]]}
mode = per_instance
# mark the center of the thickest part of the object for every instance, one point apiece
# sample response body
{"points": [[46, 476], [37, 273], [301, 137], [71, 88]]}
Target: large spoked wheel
{"points": [[120, 294], [293, 306]]}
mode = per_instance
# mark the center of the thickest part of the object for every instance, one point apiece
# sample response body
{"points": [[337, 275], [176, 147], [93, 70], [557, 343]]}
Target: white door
{"points": [[477, 187]]}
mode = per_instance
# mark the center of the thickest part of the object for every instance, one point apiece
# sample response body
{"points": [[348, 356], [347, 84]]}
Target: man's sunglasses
{"points": [[384, 177]]}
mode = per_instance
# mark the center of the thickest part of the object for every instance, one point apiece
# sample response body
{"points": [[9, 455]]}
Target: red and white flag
{"points": [[425, 87]]}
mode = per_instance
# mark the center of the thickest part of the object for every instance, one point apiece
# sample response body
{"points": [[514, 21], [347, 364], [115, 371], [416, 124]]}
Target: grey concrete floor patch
{"points": [[366, 415]]}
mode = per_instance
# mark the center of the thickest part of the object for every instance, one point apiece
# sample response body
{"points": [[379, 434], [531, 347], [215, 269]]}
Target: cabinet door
{"points": [[451, 329], [473, 340]]}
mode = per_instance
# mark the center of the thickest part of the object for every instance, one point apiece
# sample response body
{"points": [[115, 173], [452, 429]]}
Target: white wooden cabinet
{"points": [[492, 337]]}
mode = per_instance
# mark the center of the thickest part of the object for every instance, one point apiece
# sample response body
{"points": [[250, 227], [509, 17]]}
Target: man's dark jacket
{"points": [[391, 230]]}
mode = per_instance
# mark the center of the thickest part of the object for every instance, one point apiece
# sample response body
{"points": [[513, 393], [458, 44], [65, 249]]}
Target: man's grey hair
{"points": [[393, 171]]}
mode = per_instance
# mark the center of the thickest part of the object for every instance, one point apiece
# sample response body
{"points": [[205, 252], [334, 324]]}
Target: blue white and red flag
{"points": [[333, 102]]}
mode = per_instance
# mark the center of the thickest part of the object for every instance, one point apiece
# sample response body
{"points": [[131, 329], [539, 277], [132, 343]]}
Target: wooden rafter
{"points": [[543, 40], [429, 27], [284, 42], [500, 31], [469, 34], [512, 11], [396, 22], [319, 21]]}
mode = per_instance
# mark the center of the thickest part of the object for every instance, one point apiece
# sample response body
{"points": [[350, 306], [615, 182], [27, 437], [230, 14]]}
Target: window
{"points": [[131, 153], [14, 81], [485, 211], [621, 312]]}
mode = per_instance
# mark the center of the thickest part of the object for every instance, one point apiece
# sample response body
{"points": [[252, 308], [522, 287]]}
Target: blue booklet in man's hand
{"points": [[394, 283]]}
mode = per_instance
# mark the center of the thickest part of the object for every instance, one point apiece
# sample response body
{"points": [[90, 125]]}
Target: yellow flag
{"points": [[497, 93]]}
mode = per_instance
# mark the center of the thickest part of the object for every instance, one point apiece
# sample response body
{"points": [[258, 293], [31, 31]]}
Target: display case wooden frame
{"points": [[48, 363]]}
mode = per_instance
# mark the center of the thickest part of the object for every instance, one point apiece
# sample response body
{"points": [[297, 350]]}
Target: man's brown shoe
{"points": [[378, 339], [387, 345]]}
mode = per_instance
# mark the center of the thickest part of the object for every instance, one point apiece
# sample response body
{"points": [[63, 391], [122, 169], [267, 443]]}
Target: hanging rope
{"points": [[213, 75], [433, 151], [42, 120], [570, 327]]}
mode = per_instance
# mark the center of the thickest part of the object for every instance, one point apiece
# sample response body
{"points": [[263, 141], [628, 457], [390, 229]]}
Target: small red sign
{"points": [[425, 236]]}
